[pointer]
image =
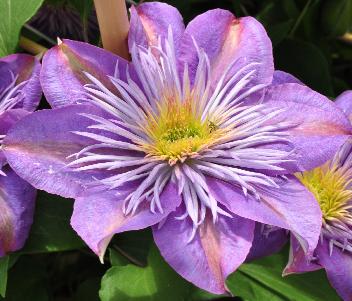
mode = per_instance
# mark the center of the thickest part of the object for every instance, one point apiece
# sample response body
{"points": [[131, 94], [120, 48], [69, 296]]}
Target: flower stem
{"points": [[31, 46], [114, 25]]}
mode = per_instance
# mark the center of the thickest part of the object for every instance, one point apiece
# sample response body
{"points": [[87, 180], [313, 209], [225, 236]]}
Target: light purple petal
{"points": [[344, 102], [281, 77], [37, 148], [338, 268], [7, 120], [62, 76], [319, 127], [226, 39], [27, 68], [298, 261], [290, 207], [149, 21], [17, 199], [267, 241], [216, 251], [97, 217]]}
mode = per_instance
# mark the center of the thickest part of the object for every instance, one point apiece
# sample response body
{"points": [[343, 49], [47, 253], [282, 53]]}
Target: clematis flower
{"points": [[20, 93], [331, 186], [190, 138]]}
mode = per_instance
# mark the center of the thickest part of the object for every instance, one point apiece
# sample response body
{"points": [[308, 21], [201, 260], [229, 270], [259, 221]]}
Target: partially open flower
{"points": [[331, 187], [190, 138], [20, 93]]}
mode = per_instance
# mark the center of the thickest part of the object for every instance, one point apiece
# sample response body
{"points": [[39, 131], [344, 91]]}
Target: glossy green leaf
{"points": [[157, 281], [262, 280], [13, 14], [51, 230], [4, 264]]}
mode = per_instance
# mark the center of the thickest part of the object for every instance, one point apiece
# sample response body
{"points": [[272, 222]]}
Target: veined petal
{"points": [[267, 240], [281, 77], [319, 127], [344, 102], [62, 76], [226, 39], [216, 250], [149, 21], [290, 207], [25, 68], [98, 216], [7, 120], [338, 267], [17, 199], [38, 145], [298, 261]]}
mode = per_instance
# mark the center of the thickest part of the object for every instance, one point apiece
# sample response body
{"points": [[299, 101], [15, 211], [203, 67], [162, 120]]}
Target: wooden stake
{"points": [[114, 25]]}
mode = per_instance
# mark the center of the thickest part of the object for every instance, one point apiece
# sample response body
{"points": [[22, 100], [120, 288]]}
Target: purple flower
{"points": [[331, 186], [20, 93], [189, 138]]}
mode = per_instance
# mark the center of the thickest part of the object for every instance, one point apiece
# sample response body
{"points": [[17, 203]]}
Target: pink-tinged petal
{"points": [[7, 120], [216, 250], [62, 76], [338, 267], [298, 261], [98, 216], [319, 127], [38, 145], [149, 21], [26, 68], [290, 207], [17, 199], [226, 39], [267, 240], [344, 102], [281, 77]]}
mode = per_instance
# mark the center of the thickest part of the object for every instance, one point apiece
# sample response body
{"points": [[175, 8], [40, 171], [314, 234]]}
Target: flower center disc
{"points": [[178, 132], [330, 187]]}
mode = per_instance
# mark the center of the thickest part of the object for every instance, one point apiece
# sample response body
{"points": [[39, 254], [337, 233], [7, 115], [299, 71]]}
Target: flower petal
{"points": [[344, 102], [27, 68], [338, 267], [7, 120], [17, 199], [281, 77], [216, 251], [62, 76], [298, 261], [226, 39], [319, 127], [38, 145], [290, 207], [266, 241], [98, 216], [149, 21]]}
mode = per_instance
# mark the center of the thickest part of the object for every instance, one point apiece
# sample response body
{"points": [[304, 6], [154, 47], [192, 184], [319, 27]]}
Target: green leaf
{"points": [[4, 265], [117, 258], [155, 282], [51, 230], [262, 280], [27, 280], [13, 14], [304, 60], [337, 16]]}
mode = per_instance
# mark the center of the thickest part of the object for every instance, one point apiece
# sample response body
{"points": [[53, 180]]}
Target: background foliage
{"points": [[311, 40]]}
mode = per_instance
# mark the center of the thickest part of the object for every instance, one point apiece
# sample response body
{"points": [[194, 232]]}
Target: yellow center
{"points": [[178, 132], [330, 187]]}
